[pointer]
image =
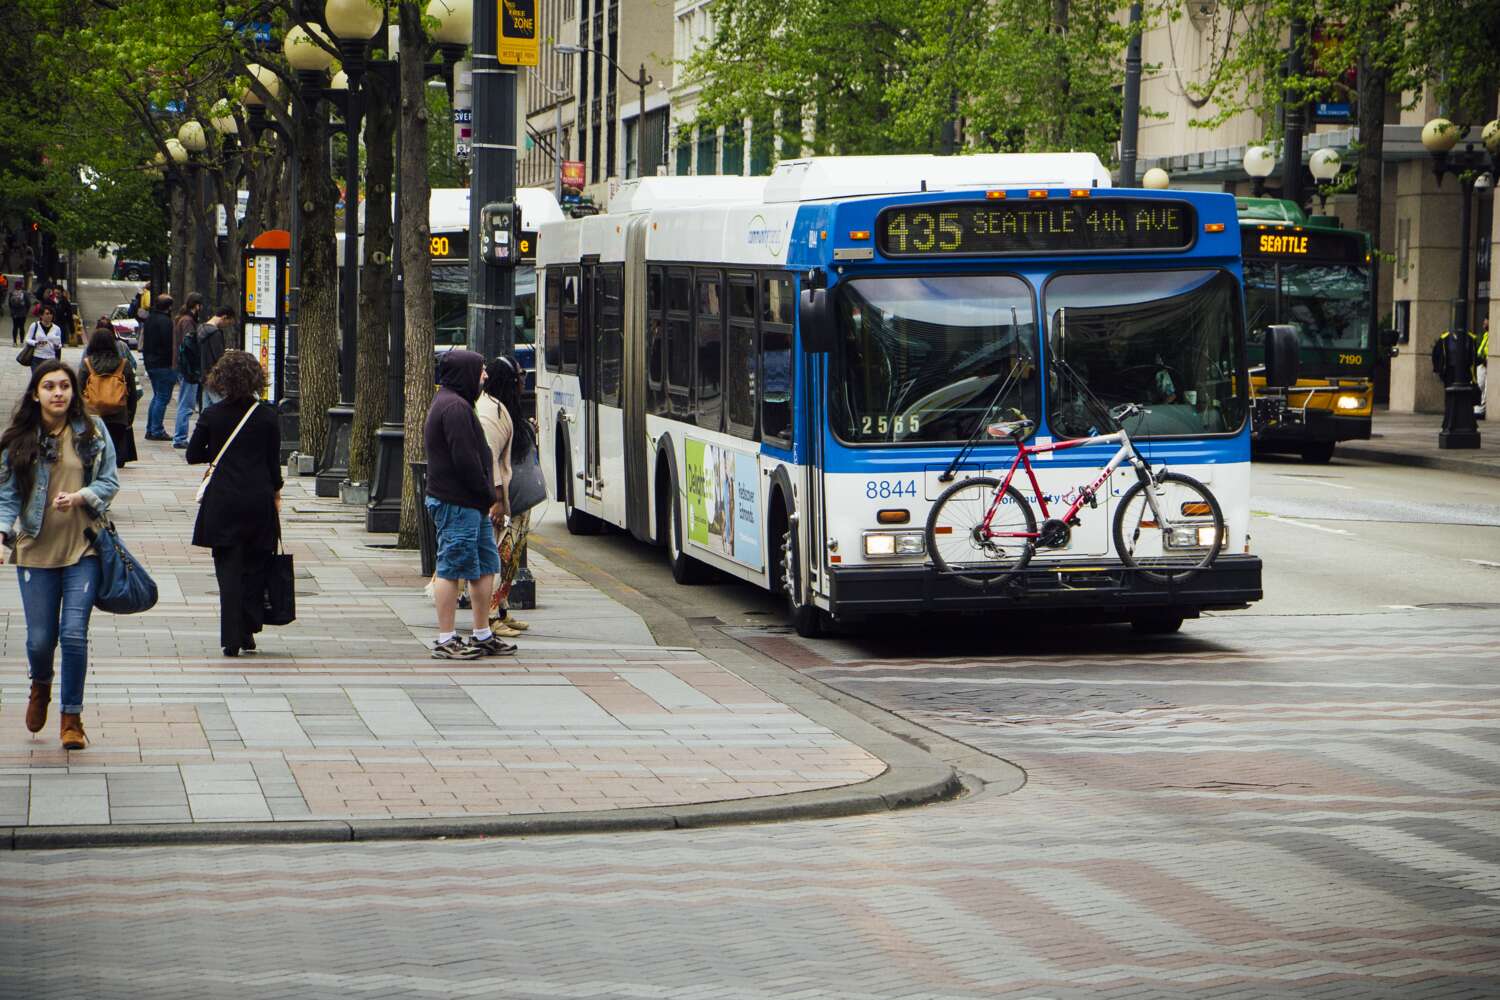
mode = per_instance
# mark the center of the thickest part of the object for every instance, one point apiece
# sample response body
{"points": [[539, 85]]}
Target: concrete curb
{"points": [[1438, 461], [889, 791]]}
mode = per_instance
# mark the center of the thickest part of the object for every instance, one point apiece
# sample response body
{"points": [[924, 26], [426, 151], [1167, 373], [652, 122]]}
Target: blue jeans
{"points": [[466, 548], [58, 603], [186, 400], [163, 381]]}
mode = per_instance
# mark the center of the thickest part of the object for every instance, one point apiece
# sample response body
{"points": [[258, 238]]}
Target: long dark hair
{"points": [[22, 440], [504, 386]]}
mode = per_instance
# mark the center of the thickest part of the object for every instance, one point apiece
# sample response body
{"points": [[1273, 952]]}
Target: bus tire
{"points": [[1317, 452], [1156, 623], [579, 522], [685, 569], [809, 620]]}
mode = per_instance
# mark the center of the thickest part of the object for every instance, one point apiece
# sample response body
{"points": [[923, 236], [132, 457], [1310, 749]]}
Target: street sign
{"points": [[1333, 111], [518, 44], [264, 308]]}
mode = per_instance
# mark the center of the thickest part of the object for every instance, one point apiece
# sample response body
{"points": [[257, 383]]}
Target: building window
{"points": [[708, 147], [734, 149], [632, 129]]}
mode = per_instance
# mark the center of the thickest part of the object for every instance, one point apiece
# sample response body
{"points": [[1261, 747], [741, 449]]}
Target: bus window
{"points": [[611, 336], [776, 360], [656, 347], [524, 317], [924, 359], [450, 306], [709, 333], [680, 343], [1169, 341], [552, 332], [741, 359], [569, 364]]}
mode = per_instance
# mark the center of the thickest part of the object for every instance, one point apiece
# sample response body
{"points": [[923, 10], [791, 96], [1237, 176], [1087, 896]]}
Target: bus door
{"points": [[588, 375]]}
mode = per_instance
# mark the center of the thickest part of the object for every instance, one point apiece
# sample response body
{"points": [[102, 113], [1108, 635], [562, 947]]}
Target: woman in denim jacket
{"points": [[57, 469]]}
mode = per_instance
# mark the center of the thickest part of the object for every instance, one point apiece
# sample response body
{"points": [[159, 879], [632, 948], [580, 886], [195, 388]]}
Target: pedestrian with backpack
{"points": [[19, 302], [107, 382]]}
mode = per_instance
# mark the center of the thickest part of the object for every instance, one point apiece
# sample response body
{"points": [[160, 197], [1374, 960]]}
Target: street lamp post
{"points": [[1258, 163], [1472, 168], [1325, 165], [383, 513], [353, 23], [557, 150], [640, 82]]}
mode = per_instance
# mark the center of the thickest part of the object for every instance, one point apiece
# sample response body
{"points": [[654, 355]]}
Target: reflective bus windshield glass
{"points": [[1329, 304], [1169, 341], [921, 358]]}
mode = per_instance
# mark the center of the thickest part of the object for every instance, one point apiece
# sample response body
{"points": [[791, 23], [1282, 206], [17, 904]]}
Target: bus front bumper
{"points": [[1318, 425], [1106, 591]]}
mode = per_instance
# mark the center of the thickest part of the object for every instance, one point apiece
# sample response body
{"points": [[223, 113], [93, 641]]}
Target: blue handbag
{"points": [[125, 588]]}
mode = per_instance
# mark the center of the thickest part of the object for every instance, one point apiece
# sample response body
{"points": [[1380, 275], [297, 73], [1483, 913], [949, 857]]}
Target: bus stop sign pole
{"points": [[505, 37]]}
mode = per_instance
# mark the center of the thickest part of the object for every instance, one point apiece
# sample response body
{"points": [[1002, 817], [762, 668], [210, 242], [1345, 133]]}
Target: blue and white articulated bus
{"points": [[769, 376]]}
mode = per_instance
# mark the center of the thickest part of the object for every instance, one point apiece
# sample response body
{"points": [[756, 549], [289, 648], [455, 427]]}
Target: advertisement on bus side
{"points": [[723, 501]]}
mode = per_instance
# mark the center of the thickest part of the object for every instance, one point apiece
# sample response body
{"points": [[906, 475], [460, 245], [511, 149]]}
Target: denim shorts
{"points": [[466, 548]]}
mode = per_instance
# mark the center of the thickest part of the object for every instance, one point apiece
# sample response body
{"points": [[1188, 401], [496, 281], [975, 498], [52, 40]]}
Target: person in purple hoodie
{"points": [[460, 497]]}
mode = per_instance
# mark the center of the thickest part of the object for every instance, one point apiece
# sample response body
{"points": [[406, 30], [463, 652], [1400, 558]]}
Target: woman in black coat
{"points": [[240, 515]]}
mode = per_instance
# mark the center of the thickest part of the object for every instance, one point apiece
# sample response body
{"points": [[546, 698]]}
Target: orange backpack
{"points": [[105, 395]]}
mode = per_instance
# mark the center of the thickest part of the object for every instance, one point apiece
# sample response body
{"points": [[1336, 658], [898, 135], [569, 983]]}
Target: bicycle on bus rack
{"points": [[983, 532]]}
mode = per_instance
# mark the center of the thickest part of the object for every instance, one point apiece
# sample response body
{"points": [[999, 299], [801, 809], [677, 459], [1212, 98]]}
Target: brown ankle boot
{"points": [[36, 706], [72, 732]]}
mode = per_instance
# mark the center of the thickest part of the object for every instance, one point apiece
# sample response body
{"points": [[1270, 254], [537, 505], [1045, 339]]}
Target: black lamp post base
{"points": [[1459, 429], [522, 594], [291, 427], [333, 467], [383, 515]]}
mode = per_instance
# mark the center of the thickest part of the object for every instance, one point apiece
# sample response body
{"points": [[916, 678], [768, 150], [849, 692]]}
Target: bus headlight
{"points": [[894, 543], [1190, 537], [1350, 403]]}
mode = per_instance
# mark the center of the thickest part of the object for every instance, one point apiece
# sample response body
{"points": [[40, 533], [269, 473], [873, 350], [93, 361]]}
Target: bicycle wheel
{"points": [[977, 555], [1174, 537]]}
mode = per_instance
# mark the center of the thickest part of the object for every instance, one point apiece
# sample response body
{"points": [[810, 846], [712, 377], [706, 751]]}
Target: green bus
{"points": [[1309, 273]]}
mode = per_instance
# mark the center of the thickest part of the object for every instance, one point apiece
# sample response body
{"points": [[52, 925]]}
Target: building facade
{"points": [[1419, 238]]}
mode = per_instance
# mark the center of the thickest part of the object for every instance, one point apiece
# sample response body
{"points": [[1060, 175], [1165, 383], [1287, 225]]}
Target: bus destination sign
{"points": [[454, 246], [1291, 244], [988, 228]]}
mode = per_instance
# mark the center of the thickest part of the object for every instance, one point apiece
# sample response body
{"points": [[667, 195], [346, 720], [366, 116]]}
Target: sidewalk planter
{"points": [[426, 530]]}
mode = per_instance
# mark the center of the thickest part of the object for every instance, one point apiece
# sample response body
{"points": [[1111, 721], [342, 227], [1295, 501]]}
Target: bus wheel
{"points": [[1317, 452], [1156, 623], [810, 621], [685, 569]]}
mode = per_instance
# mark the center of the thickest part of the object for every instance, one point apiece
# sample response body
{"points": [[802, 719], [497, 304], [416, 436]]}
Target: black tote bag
{"points": [[281, 590]]}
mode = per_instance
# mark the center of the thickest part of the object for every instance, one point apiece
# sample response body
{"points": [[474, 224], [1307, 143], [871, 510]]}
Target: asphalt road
{"points": [[1298, 800]]}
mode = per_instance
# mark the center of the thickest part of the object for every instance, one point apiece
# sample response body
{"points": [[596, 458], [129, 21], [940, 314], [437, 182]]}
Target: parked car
{"points": [[127, 327], [132, 270]]}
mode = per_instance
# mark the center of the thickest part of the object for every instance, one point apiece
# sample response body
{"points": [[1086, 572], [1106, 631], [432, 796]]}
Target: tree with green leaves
{"points": [[942, 76]]}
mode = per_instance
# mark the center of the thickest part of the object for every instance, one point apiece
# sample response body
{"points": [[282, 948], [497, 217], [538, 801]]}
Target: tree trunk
{"points": [[373, 329], [178, 248], [226, 194], [318, 326], [416, 264]]}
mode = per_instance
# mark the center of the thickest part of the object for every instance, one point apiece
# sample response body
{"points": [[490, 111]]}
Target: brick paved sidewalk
{"points": [[343, 715]]}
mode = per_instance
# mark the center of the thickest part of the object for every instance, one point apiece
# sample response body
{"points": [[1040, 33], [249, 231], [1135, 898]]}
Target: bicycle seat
{"points": [[1011, 428]]}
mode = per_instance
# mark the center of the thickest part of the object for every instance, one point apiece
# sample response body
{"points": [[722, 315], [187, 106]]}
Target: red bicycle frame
{"points": [[1023, 459]]}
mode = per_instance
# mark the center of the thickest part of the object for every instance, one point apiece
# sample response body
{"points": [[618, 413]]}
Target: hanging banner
{"points": [[518, 44]]}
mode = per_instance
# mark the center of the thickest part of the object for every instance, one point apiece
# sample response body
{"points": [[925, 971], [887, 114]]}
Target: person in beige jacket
{"points": [[499, 411]]}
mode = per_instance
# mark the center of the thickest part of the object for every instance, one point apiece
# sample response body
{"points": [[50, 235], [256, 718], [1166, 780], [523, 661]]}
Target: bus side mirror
{"points": [[1281, 356], [815, 317], [1388, 341]]}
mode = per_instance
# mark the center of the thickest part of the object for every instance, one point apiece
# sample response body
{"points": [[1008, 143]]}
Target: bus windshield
{"points": [[921, 359], [1329, 304], [1169, 341]]}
